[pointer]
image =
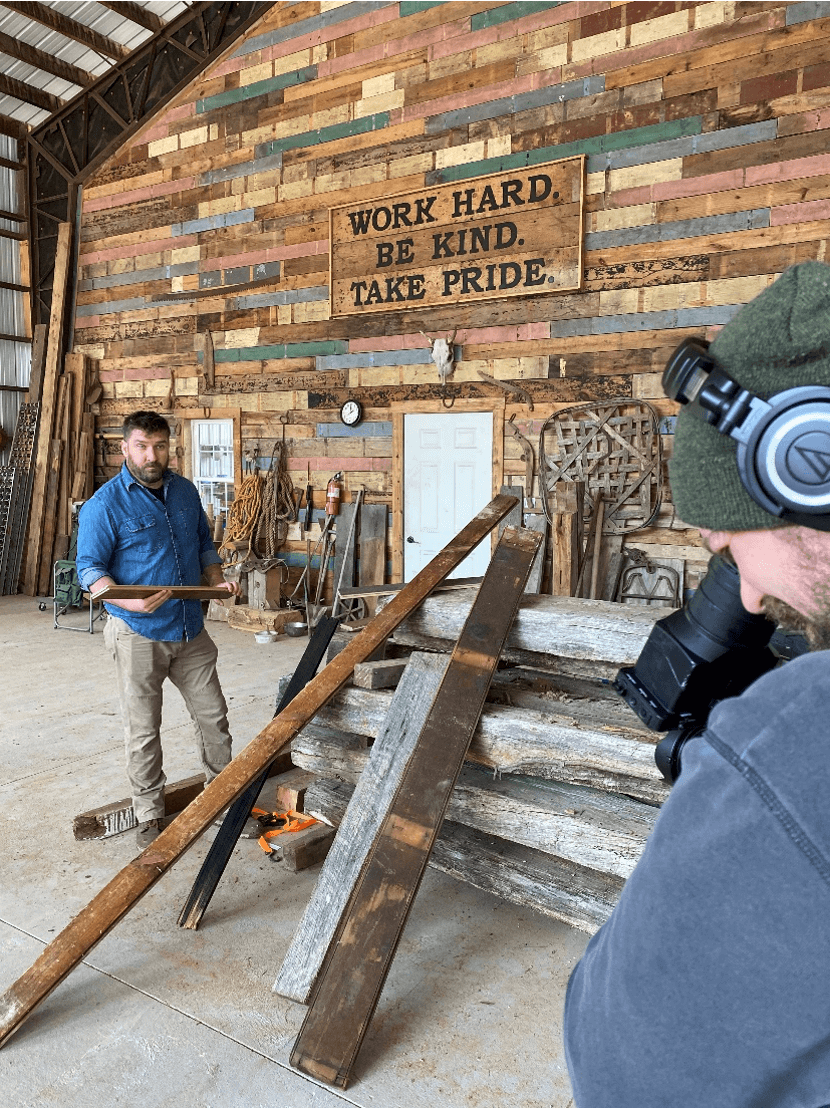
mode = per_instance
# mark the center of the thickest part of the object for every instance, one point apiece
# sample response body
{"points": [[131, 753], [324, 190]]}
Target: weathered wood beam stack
{"points": [[559, 791]]}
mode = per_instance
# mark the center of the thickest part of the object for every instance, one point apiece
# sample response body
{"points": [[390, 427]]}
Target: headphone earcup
{"points": [[787, 456]]}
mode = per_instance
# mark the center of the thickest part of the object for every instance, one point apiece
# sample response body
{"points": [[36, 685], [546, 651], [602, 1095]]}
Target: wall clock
{"points": [[351, 413]]}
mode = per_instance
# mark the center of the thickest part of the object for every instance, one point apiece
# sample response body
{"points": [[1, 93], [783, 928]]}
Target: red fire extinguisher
{"points": [[333, 495]]}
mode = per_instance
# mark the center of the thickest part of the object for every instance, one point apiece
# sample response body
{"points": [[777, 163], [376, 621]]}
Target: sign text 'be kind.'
{"points": [[510, 234]]}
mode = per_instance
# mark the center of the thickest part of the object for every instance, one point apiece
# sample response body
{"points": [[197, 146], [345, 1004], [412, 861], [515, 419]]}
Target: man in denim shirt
{"points": [[147, 527]]}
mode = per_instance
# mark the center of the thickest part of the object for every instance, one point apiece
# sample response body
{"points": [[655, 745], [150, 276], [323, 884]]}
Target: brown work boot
{"points": [[147, 832]]}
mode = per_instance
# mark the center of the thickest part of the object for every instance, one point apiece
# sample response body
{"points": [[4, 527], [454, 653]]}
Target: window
{"points": [[213, 462]]}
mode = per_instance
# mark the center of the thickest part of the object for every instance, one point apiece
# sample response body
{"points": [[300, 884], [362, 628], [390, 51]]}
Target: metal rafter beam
{"points": [[143, 17], [70, 28], [29, 94], [67, 148], [23, 52]]}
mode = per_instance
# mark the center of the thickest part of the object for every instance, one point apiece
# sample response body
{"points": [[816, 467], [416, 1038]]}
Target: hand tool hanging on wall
{"points": [[528, 457], [348, 553], [309, 497]]}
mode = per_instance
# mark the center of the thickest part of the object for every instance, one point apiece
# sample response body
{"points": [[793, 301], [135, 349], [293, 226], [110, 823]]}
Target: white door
{"points": [[447, 479]]}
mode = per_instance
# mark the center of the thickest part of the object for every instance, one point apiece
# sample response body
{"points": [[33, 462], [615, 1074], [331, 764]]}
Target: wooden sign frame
{"points": [[507, 234]]}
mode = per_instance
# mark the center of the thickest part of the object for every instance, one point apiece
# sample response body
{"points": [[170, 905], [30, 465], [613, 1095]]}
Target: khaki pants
{"points": [[142, 666]]}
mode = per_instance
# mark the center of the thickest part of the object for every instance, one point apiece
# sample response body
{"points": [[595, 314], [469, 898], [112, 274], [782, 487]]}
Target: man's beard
{"points": [[147, 475], [815, 631]]}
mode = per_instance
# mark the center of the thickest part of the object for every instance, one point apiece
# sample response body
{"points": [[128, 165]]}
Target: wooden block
{"points": [[112, 819], [244, 618], [534, 581], [379, 675], [290, 790], [302, 849]]}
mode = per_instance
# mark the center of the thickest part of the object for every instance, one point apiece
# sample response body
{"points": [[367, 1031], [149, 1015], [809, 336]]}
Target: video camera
{"points": [[710, 649]]}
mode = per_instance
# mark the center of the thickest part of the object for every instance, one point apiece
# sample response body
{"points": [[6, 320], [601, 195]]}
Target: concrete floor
{"points": [[158, 1016]]}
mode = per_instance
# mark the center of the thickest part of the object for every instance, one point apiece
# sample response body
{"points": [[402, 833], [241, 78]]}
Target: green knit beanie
{"points": [[777, 341]]}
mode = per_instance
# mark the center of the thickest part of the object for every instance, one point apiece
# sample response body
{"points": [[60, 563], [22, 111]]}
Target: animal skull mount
{"points": [[443, 354]]}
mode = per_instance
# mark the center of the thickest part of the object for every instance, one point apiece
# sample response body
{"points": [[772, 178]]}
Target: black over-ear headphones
{"points": [[783, 443]]}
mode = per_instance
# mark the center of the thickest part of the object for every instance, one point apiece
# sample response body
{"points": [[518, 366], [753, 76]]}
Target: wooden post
{"points": [[567, 537]]}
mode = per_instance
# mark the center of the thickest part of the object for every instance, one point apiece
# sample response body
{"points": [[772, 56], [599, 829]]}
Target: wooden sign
{"points": [[508, 234]]}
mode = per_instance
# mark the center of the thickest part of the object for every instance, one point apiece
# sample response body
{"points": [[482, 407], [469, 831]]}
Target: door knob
{"points": [[410, 539]]}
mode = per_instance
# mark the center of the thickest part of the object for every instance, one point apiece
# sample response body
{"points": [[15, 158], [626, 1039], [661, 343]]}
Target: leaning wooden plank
{"points": [[371, 568], [579, 897], [566, 743], [353, 976], [179, 592], [116, 899], [534, 582], [47, 407], [598, 830], [112, 819], [382, 771]]}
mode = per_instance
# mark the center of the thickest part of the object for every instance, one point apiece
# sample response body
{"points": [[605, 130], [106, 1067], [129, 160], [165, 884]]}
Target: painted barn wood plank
{"points": [[87, 928], [595, 744], [580, 897], [337, 1019], [594, 829], [408, 709]]}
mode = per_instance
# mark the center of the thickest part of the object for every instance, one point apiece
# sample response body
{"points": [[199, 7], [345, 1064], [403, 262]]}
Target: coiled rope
{"points": [[277, 505], [243, 516]]}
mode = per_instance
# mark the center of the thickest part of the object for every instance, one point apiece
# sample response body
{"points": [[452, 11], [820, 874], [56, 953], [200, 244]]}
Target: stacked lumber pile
{"points": [[559, 791], [64, 451]]}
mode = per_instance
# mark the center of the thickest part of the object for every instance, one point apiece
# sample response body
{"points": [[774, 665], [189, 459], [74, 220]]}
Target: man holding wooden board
{"points": [[147, 527], [708, 985]]}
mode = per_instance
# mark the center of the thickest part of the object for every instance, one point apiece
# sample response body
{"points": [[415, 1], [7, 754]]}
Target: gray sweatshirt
{"points": [[709, 986]]}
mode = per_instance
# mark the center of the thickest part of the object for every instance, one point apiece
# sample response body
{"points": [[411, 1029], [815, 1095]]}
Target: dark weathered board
{"points": [[223, 845], [353, 977], [104, 911]]}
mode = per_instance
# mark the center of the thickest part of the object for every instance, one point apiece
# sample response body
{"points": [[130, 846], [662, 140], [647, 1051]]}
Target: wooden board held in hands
{"points": [[180, 592]]}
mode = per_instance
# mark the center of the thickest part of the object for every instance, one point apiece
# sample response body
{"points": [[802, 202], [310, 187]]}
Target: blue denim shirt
{"points": [[126, 533]]}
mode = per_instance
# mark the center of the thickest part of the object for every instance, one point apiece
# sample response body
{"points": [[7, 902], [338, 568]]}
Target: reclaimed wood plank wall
{"points": [[704, 127]]}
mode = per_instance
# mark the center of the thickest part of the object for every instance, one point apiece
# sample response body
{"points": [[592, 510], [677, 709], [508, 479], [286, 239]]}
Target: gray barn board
{"points": [[406, 715]]}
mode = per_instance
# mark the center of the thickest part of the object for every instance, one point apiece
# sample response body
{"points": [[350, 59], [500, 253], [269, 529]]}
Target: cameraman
{"points": [[709, 986]]}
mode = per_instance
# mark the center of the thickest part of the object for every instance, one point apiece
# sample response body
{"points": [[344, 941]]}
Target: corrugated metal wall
{"points": [[15, 357]]}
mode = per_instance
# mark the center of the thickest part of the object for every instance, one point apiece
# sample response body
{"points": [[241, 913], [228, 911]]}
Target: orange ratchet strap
{"points": [[279, 823]]}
